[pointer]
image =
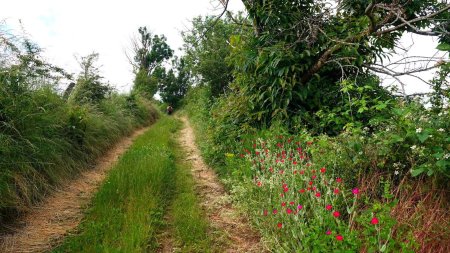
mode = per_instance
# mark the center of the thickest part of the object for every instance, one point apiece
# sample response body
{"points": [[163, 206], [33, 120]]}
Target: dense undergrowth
{"points": [[289, 182], [47, 137], [44, 139]]}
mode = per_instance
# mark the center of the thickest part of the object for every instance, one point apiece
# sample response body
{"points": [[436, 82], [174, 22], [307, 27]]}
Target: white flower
{"points": [[441, 130], [440, 114], [413, 147], [446, 156], [396, 172], [388, 129], [419, 130], [431, 136]]}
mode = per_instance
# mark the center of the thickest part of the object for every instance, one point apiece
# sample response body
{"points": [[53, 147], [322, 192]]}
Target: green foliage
{"points": [[174, 83], [207, 46], [150, 51], [89, 87]]}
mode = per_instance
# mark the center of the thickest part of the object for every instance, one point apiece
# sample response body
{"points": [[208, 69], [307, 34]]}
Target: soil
{"points": [[216, 201], [45, 225]]}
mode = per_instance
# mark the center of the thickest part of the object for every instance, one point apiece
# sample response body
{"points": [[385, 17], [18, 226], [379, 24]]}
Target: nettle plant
{"points": [[302, 206]]}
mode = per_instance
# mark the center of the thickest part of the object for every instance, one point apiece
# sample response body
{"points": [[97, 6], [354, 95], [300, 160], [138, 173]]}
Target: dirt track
{"points": [[216, 201]]}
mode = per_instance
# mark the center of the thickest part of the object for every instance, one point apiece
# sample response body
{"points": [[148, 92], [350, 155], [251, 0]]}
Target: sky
{"points": [[70, 29]]}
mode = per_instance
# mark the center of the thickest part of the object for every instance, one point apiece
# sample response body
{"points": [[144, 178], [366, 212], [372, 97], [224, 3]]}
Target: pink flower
{"points": [[328, 232], [314, 177], [355, 191], [283, 204], [299, 207], [336, 214], [336, 191], [339, 237], [318, 194], [374, 221], [339, 180], [275, 211], [265, 213], [288, 211], [328, 207]]}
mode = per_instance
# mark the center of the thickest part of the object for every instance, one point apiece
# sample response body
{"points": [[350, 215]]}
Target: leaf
{"points": [[443, 47], [418, 171], [423, 136]]}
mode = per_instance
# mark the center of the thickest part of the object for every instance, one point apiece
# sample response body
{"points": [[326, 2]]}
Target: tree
{"points": [[89, 87], [207, 46], [150, 51], [308, 58], [175, 84]]}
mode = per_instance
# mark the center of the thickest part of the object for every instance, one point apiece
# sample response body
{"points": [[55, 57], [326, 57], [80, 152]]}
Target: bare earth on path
{"points": [[47, 224], [216, 201]]}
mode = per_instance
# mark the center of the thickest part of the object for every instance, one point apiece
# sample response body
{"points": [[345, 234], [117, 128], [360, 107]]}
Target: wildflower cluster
{"points": [[299, 203]]}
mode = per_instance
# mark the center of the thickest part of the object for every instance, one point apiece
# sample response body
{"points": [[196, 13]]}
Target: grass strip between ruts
{"points": [[126, 214]]}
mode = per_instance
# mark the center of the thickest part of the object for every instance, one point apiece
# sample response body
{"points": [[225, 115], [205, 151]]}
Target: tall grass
{"points": [[44, 139]]}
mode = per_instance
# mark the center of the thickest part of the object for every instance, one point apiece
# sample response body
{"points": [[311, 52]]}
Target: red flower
{"points": [[285, 189], [301, 190], [302, 172], [323, 170], [265, 213], [336, 191], [280, 225], [294, 162], [259, 183], [314, 177], [355, 191], [328, 207], [339, 180], [374, 221], [339, 237], [275, 211], [291, 203], [318, 194], [256, 153], [288, 211], [309, 143], [336, 214], [310, 182], [283, 204]]}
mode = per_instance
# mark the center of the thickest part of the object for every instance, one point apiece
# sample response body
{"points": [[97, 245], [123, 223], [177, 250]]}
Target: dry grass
{"points": [[423, 207]]}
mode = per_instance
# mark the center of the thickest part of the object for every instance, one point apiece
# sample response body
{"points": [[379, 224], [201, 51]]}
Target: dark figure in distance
{"points": [[169, 109]]}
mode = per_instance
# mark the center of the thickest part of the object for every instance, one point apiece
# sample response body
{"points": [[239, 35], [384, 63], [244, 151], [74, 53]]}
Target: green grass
{"points": [[188, 219], [127, 213]]}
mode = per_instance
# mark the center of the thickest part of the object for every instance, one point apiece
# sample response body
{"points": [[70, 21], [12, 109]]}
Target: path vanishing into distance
{"points": [[48, 224]]}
